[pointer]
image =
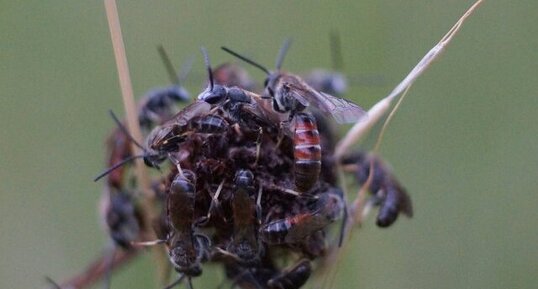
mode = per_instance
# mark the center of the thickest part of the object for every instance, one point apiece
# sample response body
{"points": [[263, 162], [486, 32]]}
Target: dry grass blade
{"points": [[132, 122], [360, 129], [380, 108], [126, 88]]}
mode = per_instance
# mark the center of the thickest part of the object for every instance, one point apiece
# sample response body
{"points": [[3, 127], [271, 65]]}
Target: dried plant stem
{"points": [[377, 145], [360, 129], [147, 203], [126, 89], [379, 109]]}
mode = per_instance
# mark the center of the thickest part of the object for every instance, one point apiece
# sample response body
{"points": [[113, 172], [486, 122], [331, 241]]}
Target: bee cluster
{"points": [[247, 180]]}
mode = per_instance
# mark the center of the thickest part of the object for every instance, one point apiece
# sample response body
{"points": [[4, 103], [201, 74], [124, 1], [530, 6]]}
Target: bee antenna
{"points": [[245, 59], [174, 78], [208, 67], [336, 50], [124, 130], [185, 69], [52, 282], [282, 53], [118, 165], [175, 283]]}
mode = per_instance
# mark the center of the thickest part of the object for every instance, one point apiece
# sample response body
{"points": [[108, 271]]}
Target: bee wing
{"points": [[263, 109], [299, 94], [341, 110], [199, 107]]}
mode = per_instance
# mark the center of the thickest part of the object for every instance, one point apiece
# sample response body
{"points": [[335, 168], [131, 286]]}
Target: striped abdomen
{"points": [[307, 151], [292, 278], [209, 124], [285, 230]]}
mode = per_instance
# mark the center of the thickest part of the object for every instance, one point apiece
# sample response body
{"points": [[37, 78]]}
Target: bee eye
{"points": [[213, 98], [271, 92]]}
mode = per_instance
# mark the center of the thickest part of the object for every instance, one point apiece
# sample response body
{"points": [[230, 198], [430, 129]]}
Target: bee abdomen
{"points": [[210, 124], [307, 152], [181, 199], [275, 232], [292, 278]]}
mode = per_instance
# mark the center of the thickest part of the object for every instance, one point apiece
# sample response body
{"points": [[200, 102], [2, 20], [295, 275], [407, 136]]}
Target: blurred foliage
{"points": [[464, 142]]}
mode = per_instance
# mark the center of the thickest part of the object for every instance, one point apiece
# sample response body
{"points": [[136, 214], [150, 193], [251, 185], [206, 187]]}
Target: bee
{"points": [[242, 106], [246, 215], [186, 248], [123, 223], [154, 108], [267, 276], [158, 105], [306, 152], [159, 143], [118, 147], [293, 277], [121, 217], [291, 94], [387, 191], [297, 228], [166, 138]]}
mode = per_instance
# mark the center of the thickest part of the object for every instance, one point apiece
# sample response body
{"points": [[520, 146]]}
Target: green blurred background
{"points": [[464, 142]]}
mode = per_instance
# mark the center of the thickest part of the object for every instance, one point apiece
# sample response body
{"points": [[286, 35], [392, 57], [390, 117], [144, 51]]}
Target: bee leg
{"points": [[283, 190], [148, 243], [214, 110], [215, 205], [238, 130], [282, 126], [274, 210], [258, 145], [203, 242], [259, 206], [227, 254], [176, 162]]}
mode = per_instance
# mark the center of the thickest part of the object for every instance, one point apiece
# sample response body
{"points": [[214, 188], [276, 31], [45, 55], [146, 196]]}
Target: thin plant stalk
{"points": [[147, 205], [362, 127]]}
